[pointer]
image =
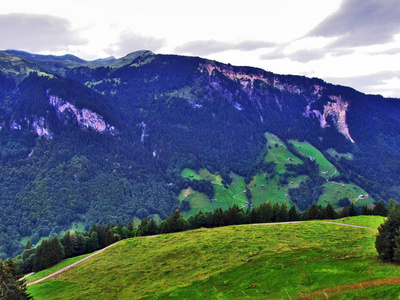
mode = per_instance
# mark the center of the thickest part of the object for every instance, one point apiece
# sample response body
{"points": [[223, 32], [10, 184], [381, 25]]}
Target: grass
{"points": [[280, 154], [60, 265], [236, 262], [368, 221], [308, 150], [264, 188], [335, 191], [332, 152], [189, 173]]}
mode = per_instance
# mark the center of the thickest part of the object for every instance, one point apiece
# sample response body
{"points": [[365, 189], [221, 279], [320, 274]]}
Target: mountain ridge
{"points": [[169, 112]]}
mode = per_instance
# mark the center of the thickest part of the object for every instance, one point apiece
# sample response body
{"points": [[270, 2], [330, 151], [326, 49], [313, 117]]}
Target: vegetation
{"points": [[231, 262], [51, 252], [11, 285], [172, 114], [387, 241]]}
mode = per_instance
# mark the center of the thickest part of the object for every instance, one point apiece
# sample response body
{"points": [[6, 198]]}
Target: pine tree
{"points": [[94, 242], [130, 226], [292, 214], [152, 228], [142, 231], [379, 209], [283, 213], [352, 211], [275, 212], [330, 212], [365, 210], [11, 288], [385, 242], [110, 239], [391, 206], [68, 244], [28, 245]]}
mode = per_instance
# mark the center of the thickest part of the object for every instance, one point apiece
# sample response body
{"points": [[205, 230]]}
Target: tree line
{"points": [[73, 243]]}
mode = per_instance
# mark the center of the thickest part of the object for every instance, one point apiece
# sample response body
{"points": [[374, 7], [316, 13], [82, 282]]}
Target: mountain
{"points": [[108, 140]]}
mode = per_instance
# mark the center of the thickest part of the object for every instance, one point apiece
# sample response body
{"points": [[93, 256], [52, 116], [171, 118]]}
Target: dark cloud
{"points": [[36, 32], [203, 48], [130, 41], [361, 23]]}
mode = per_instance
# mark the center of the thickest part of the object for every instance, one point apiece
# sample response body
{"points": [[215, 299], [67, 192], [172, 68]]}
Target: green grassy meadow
{"points": [[60, 265], [308, 150], [264, 188], [368, 221], [288, 261]]}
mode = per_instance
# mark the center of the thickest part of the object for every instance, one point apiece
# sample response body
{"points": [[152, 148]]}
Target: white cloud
{"points": [[130, 41], [204, 48], [36, 32]]}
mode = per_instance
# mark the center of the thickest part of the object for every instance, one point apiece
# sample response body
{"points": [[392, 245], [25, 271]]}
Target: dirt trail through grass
{"points": [[337, 290], [70, 266], [260, 224]]}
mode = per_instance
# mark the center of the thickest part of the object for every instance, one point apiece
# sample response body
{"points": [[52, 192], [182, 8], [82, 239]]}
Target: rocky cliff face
{"points": [[333, 112], [85, 117]]}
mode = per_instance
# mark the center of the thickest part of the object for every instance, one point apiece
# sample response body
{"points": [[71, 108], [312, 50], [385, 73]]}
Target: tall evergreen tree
{"points": [[292, 214], [11, 287], [385, 242], [391, 206], [152, 227], [68, 243], [379, 209], [330, 212]]}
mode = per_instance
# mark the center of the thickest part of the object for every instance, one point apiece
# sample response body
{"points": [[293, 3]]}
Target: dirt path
{"points": [[349, 225], [257, 224], [70, 266], [332, 291], [329, 222]]}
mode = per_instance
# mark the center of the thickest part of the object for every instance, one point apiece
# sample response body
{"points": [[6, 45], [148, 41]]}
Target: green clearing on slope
{"points": [[236, 262], [266, 188], [307, 150]]}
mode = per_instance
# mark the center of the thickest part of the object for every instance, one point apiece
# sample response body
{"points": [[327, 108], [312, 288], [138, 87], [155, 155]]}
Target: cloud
{"points": [[391, 51], [130, 41], [253, 45], [361, 23], [306, 55], [385, 83], [203, 48], [36, 33]]}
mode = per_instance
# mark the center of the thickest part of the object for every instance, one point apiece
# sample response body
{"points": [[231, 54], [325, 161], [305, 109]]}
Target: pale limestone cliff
{"points": [[336, 109], [85, 117], [40, 127]]}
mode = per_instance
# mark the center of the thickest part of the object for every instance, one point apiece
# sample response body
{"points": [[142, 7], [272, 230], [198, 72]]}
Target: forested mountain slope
{"points": [[107, 140]]}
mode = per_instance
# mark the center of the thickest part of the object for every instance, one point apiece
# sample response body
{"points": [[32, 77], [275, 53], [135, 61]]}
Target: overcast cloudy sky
{"points": [[349, 42]]}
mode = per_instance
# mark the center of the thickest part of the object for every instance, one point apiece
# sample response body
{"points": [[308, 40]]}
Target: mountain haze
{"points": [[107, 140]]}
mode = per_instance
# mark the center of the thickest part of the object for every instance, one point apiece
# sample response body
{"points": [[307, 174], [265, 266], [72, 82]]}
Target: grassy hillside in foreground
{"points": [[236, 262], [269, 188]]}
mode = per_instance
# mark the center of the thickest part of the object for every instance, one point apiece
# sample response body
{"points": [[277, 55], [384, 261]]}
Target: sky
{"points": [[349, 42]]}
